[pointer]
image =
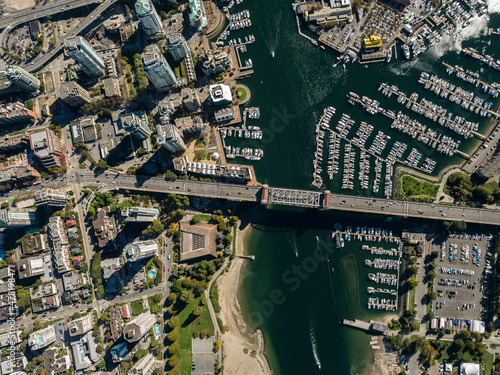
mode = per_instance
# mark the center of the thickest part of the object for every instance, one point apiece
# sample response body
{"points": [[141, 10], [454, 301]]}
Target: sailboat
{"points": [[272, 54]]}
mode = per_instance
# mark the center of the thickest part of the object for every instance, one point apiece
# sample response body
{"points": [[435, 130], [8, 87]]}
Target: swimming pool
{"points": [[152, 273]]}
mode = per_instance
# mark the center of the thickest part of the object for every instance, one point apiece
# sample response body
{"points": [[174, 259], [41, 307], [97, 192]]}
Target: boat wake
{"points": [[477, 27], [312, 335], [493, 6], [293, 243]]}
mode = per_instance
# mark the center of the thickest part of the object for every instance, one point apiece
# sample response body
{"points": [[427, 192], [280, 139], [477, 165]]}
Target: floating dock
{"points": [[369, 327]]}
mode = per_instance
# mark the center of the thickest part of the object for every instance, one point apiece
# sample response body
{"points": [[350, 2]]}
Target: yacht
{"points": [[272, 54]]}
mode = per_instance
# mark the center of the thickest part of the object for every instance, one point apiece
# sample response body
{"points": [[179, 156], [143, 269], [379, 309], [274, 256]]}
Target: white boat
{"points": [[406, 52], [389, 55], [272, 54]]}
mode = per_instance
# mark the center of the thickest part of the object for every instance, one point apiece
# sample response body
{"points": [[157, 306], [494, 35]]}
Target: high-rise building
{"points": [[51, 197], [83, 53], [22, 78], [47, 148], [73, 94], [144, 366], [177, 46], [15, 112], [157, 68], [169, 137], [150, 20], [197, 17], [42, 338], [190, 99], [141, 250], [136, 123], [139, 326]]}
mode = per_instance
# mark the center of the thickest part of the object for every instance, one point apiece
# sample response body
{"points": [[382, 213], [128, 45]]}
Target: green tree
{"points": [[102, 164], [173, 336], [432, 296], [431, 275], [412, 283], [173, 361], [413, 270], [172, 297], [173, 322], [173, 348], [198, 310], [186, 296], [194, 220]]}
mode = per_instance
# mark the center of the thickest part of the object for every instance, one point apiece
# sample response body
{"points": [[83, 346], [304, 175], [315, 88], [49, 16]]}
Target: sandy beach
{"points": [[237, 338]]}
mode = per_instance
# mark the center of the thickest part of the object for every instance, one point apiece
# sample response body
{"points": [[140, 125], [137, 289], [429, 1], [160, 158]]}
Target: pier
{"points": [[493, 31], [488, 60], [473, 78], [321, 126], [433, 112], [369, 327], [313, 41], [405, 125], [457, 95]]}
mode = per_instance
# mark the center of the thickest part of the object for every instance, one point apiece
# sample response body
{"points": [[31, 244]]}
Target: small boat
{"points": [[389, 55], [272, 54], [406, 51]]}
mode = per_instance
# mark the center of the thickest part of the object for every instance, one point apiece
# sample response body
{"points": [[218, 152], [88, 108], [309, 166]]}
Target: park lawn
{"points": [[177, 71], [153, 306], [243, 93], [137, 307], [488, 363], [186, 328], [412, 186]]}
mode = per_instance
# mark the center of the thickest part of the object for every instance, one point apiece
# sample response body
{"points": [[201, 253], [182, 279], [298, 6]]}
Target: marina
{"points": [[382, 304], [426, 108], [321, 127], [473, 78], [488, 60], [457, 95]]}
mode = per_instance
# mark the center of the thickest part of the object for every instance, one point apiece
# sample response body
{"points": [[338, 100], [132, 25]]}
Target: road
{"points": [[12, 19], [29, 15], [388, 207]]}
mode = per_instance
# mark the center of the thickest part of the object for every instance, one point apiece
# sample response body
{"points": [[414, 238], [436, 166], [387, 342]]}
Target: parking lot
{"points": [[203, 356], [460, 270]]}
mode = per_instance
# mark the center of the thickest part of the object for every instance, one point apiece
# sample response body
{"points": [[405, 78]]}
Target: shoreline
{"points": [[237, 337]]}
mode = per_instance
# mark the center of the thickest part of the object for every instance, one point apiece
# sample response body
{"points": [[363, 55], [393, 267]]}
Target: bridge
{"points": [[290, 197]]}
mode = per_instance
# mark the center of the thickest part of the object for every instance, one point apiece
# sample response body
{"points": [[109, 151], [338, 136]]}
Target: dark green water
{"points": [[301, 326]]}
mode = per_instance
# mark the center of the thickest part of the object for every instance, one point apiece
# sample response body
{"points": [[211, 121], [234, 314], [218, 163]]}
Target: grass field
{"points": [[242, 93], [414, 187], [137, 307], [188, 324]]}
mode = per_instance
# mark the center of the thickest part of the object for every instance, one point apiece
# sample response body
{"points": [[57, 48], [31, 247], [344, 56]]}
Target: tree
{"points": [[465, 334], [432, 296], [198, 310], [102, 164], [172, 297], [217, 345], [173, 322], [173, 348], [459, 344], [157, 298], [173, 361], [186, 296], [475, 335], [173, 372], [483, 194], [91, 213], [413, 270], [431, 275], [434, 254], [459, 225], [194, 220], [173, 336], [412, 283], [446, 225]]}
